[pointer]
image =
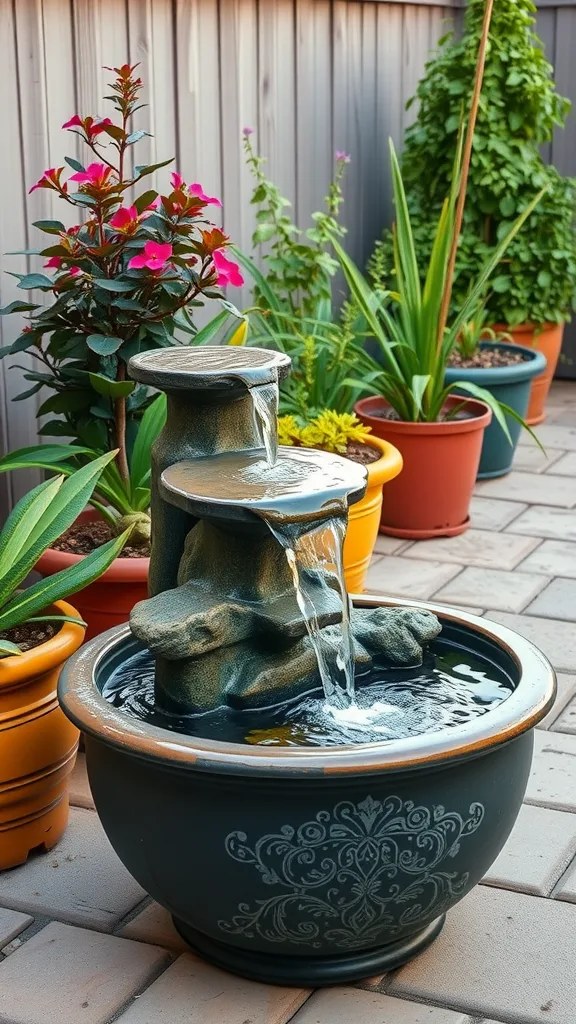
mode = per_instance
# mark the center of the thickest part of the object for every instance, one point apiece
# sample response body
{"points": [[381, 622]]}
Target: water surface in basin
{"points": [[451, 688]]}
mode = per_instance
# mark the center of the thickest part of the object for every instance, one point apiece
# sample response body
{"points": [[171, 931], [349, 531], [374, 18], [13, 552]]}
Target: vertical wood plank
{"points": [[22, 161], [239, 110], [277, 89], [546, 29], [198, 90], [564, 143], [372, 209], [314, 142], [151, 44], [389, 29], [415, 44]]}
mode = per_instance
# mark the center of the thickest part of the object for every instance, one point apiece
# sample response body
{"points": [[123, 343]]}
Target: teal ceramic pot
{"points": [[510, 385], [311, 866]]}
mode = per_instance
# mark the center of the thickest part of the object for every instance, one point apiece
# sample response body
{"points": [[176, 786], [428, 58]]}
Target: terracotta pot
{"points": [[547, 338], [364, 515], [37, 746], [431, 497], [109, 600]]}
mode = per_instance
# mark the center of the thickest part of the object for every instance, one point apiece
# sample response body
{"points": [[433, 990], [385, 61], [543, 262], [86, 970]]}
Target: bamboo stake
{"points": [[479, 75]]}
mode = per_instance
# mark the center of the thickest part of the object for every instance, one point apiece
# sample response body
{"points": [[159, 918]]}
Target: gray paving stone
{"points": [[565, 417], [566, 890], [542, 844], [80, 795], [531, 488], [566, 721], [556, 601], [154, 925], [193, 992], [493, 513], [545, 521], [69, 975], [493, 588], [347, 1005], [399, 577], [552, 558], [551, 435], [552, 780], [556, 639], [481, 548], [389, 545], [566, 466], [11, 924], [501, 955], [81, 880], [566, 691], [533, 460]]}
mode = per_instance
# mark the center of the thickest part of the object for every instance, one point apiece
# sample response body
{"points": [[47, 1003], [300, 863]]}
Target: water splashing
{"points": [[319, 550], [265, 406]]}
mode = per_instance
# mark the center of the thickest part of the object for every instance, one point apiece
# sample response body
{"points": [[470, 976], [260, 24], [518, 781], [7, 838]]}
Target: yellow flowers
{"points": [[332, 431]]}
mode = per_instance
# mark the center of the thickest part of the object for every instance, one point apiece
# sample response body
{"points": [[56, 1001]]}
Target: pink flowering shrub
{"points": [[122, 281]]}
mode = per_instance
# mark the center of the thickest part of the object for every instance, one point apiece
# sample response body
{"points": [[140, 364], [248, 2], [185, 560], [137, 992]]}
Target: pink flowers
{"points": [[154, 257], [55, 262], [125, 219], [50, 179], [93, 126], [96, 175], [176, 180], [228, 272], [197, 191]]}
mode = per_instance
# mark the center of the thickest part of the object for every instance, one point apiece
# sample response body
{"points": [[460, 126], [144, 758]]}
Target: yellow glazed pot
{"points": [[364, 516], [37, 745]]}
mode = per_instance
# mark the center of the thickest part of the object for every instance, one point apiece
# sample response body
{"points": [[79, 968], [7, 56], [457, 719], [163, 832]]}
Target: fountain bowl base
{"points": [[311, 972]]}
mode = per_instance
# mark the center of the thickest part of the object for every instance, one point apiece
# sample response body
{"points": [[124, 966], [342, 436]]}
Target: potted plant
{"points": [[123, 280], [38, 632], [532, 293], [506, 370]]}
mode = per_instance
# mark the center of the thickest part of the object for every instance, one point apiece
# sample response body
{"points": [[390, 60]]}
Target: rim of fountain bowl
{"points": [[521, 711]]}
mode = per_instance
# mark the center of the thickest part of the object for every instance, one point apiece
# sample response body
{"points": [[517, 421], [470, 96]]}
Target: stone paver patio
{"points": [[80, 943]]}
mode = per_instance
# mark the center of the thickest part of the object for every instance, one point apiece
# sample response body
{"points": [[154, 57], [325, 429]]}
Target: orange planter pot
{"points": [[547, 339], [364, 515], [109, 600], [431, 497], [37, 746]]}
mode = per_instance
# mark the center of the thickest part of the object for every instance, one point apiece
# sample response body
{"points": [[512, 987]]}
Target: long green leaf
{"points": [[46, 592], [69, 500], [19, 529], [151, 424], [41, 455], [7, 648]]}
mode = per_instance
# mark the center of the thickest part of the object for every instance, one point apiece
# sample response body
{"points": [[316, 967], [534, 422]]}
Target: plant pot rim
{"points": [[532, 365], [122, 570], [521, 711], [387, 466], [481, 419], [19, 668]]}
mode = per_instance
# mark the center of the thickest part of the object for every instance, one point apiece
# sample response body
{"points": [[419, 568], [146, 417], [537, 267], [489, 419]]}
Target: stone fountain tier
{"points": [[232, 632]]}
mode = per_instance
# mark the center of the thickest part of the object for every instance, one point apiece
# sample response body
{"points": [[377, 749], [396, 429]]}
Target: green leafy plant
{"points": [[519, 111], [124, 503], [327, 356], [36, 521], [329, 430], [475, 330], [298, 265], [124, 279], [408, 325]]}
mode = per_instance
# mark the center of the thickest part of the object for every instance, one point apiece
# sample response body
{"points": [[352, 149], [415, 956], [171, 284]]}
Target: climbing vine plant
{"points": [[519, 111]]}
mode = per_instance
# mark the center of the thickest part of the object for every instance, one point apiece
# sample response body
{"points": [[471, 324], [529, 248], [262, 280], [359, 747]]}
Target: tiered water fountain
{"points": [[306, 784]]}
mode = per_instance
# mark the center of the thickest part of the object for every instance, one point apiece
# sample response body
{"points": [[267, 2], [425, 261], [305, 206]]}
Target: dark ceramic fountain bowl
{"points": [[311, 866]]}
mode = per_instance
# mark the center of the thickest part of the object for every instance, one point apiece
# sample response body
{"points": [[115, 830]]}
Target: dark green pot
{"points": [[510, 385], [311, 866]]}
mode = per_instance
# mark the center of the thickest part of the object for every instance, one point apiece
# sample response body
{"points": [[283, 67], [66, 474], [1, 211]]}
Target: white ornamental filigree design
{"points": [[353, 872]]}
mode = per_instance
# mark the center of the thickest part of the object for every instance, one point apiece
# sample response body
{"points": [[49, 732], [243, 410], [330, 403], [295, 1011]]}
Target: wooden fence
{"points": [[310, 76]]}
